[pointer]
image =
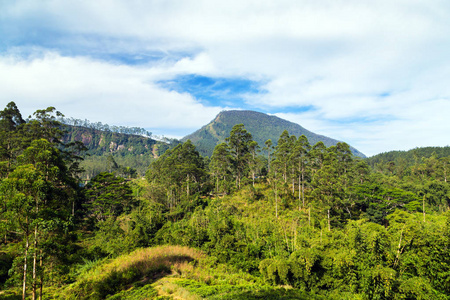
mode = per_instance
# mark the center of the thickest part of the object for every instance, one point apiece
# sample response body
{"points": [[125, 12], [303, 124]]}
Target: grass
{"points": [[142, 266]]}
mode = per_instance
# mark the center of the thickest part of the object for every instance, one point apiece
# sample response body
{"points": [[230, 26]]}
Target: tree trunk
{"points": [[41, 276], [187, 180], [423, 207], [24, 289], [309, 216], [293, 186], [303, 189], [34, 263], [299, 192], [239, 181], [276, 201], [329, 226], [217, 186], [397, 258], [253, 178]]}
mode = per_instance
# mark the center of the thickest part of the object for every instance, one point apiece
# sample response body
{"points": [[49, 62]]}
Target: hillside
{"points": [[126, 150], [99, 142], [260, 125]]}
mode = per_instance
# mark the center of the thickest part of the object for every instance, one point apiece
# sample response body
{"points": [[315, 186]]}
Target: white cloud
{"points": [[84, 88], [353, 61]]}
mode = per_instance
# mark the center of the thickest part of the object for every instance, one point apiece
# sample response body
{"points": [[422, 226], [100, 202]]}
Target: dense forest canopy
{"points": [[294, 221]]}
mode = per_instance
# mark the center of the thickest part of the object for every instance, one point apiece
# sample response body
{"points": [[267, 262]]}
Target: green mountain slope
{"points": [[127, 150], [260, 125], [99, 142]]}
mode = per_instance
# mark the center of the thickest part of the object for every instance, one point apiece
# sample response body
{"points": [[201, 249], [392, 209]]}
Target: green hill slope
{"points": [[260, 125]]}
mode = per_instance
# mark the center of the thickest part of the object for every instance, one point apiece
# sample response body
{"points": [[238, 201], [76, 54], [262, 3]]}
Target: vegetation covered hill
{"points": [[262, 127]]}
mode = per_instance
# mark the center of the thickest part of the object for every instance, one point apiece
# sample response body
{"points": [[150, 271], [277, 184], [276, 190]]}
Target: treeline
{"points": [[308, 175], [311, 217], [105, 127], [45, 210], [40, 197]]}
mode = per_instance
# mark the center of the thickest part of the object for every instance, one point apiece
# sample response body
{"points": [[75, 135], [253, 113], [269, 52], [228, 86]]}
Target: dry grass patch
{"points": [[141, 266]]}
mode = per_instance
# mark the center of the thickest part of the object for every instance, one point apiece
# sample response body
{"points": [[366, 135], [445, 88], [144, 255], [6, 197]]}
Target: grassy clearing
{"points": [[134, 270]]}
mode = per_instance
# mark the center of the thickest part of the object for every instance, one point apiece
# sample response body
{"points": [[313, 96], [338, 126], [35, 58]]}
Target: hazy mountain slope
{"points": [[99, 142], [260, 125], [128, 150]]}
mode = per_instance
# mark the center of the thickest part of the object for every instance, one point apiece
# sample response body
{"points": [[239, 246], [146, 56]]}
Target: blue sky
{"points": [[373, 74]]}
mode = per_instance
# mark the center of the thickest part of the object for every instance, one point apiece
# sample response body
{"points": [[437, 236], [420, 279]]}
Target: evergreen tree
{"points": [[300, 159], [11, 123], [220, 165], [38, 189], [239, 142]]}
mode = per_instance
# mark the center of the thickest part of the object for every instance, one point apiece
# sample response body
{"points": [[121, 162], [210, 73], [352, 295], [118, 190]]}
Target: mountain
{"points": [[99, 142], [106, 147], [260, 125]]}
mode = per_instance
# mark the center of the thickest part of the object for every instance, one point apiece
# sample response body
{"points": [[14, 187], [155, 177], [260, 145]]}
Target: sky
{"points": [[374, 74]]}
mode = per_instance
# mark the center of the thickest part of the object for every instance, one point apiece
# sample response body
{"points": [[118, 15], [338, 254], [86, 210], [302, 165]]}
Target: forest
{"points": [[291, 221]]}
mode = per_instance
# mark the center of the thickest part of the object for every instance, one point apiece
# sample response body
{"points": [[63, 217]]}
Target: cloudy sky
{"points": [[375, 74]]}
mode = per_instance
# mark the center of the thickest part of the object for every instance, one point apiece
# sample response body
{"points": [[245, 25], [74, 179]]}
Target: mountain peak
{"points": [[262, 127]]}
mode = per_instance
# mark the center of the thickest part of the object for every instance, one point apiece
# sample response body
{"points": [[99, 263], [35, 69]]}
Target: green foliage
{"points": [[108, 195], [180, 176], [38, 191]]}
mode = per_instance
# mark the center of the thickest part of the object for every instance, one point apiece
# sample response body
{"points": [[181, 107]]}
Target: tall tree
{"points": [[38, 190], [326, 184], [268, 148], [239, 142], [283, 152], [220, 164], [253, 160], [177, 170], [108, 196], [11, 122], [300, 158]]}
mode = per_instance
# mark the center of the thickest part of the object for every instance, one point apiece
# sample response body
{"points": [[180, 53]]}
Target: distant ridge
{"points": [[410, 157], [99, 142], [260, 125]]}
